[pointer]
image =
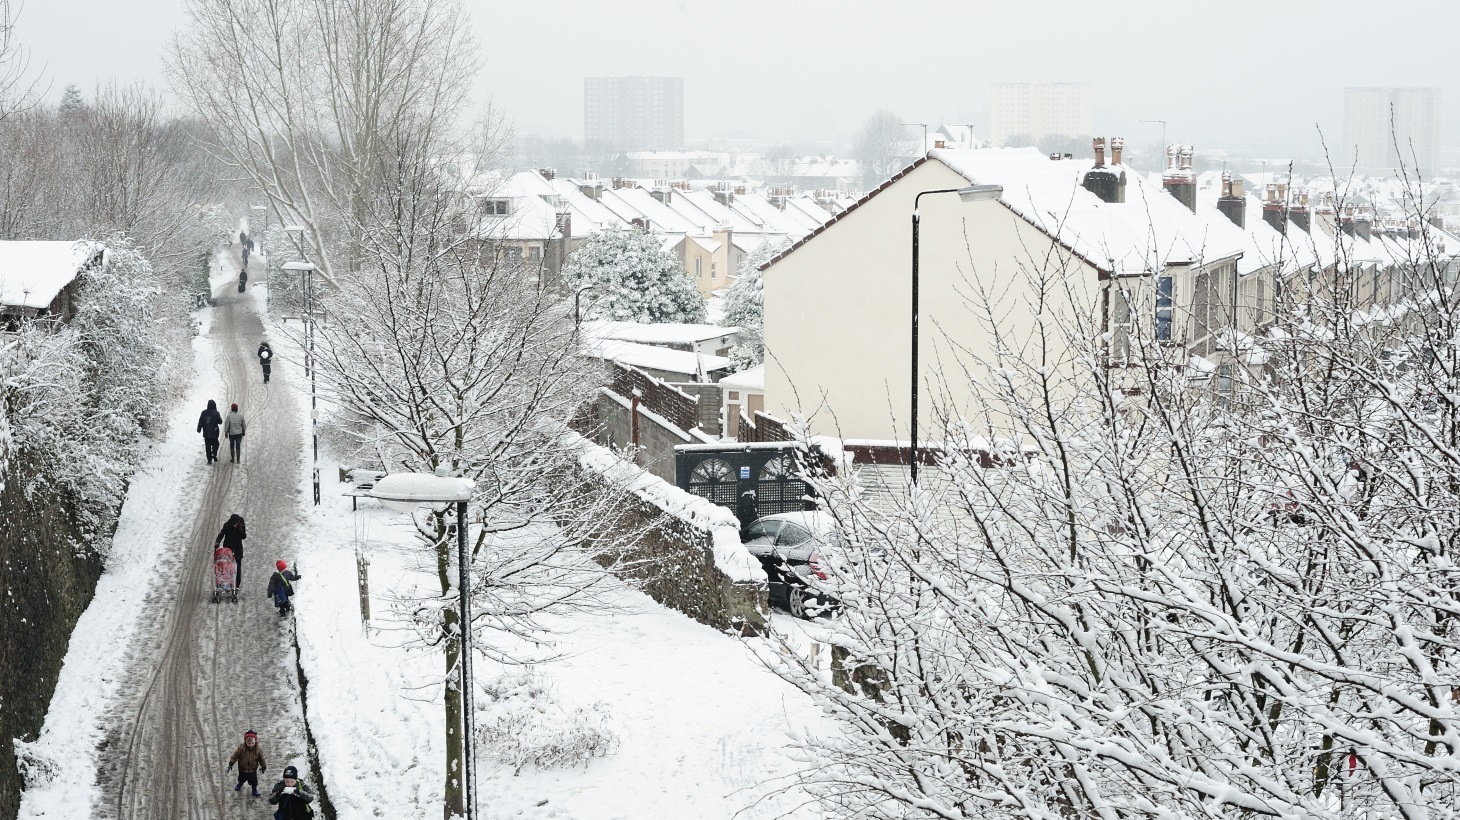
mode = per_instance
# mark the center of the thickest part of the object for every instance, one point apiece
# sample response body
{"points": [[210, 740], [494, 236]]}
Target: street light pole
{"points": [[971, 193], [306, 272], [577, 303], [416, 489]]}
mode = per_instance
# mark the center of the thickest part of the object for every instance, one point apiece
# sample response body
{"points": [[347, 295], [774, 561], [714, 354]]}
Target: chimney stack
{"points": [[1117, 144], [1231, 203], [1275, 209], [1346, 220], [1178, 180], [1106, 183], [548, 174], [1299, 214]]}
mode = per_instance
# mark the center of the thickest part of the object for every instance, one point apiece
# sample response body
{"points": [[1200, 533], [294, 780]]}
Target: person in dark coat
{"points": [[234, 427], [745, 510], [266, 358], [242, 238], [292, 797], [281, 587], [231, 536], [208, 424]]}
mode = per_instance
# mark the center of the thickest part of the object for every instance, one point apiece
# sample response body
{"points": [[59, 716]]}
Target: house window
{"points": [[534, 253], [494, 207], [1164, 307], [699, 274], [713, 274]]}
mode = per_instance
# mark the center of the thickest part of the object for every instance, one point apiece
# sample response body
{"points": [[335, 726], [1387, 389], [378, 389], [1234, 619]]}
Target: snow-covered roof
{"points": [[751, 378], [1147, 232], [649, 357], [32, 274], [655, 332]]}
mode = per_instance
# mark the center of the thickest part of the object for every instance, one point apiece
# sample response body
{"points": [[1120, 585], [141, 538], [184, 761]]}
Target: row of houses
{"points": [[1200, 266], [541, 218]]}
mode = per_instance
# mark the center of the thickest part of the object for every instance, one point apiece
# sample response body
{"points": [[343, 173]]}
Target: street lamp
{"points": [[404, 492], [971, 193], [262, 252], [577, 303], [306, 273]]}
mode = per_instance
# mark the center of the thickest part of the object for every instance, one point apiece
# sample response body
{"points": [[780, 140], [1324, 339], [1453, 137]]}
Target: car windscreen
{"points": [[791, 535], [762, 529]]}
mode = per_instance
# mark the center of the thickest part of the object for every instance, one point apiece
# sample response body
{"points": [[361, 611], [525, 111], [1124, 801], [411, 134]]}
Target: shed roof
{"points": [[33, 273]]}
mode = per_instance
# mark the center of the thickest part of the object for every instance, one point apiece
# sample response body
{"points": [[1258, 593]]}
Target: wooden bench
{"points": [[361, 482]]}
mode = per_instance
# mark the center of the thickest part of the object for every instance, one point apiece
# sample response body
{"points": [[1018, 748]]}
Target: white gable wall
{"points": [[837, 324]]}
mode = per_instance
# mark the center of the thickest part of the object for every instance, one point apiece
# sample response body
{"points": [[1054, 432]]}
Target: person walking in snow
{"points": [[231, 536], [281, 586], [266, 358], [234, 427], [250, 759], [292, 797], [208, 423]]}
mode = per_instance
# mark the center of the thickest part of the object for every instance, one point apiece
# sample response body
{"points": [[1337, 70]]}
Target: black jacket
{"points": [[292, 806], [265, 353], [210, 420], [232, 534]]}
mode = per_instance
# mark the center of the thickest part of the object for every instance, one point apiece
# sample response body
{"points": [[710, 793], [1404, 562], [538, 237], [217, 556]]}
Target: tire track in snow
{"points": [[210, 678]]}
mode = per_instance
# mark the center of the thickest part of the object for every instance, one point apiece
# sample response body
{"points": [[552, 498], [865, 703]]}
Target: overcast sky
{"points": [[1230, 73]]}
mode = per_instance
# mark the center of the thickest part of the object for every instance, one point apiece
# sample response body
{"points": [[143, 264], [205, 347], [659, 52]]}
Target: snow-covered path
{"points": [[207, 672]]}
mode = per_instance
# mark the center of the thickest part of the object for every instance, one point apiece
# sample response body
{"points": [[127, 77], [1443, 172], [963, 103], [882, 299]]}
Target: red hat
{"points": [[250, 734], [281, 565], [235, 405]]}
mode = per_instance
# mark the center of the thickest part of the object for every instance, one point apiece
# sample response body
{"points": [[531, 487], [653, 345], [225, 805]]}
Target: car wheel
{"points": [[796, 601]]}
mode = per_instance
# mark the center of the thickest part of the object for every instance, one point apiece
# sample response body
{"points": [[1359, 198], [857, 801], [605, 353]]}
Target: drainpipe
{"points": [[634, 423]]}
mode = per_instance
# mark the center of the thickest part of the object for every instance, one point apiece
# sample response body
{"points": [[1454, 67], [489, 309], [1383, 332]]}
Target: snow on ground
{"points": [[700, 724], [160, 499]]}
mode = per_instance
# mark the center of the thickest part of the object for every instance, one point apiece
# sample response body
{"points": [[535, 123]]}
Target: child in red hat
{"points": [[250, 759]]}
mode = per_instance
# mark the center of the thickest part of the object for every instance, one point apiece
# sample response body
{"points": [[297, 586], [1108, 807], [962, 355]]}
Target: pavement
{"points": [[204, 673]]}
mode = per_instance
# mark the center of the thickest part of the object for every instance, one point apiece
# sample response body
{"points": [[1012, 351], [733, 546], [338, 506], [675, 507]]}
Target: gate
{"points": [[771, 470]]}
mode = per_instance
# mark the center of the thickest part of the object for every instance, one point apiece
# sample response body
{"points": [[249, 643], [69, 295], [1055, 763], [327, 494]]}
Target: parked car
{"points": [[791, 547]]}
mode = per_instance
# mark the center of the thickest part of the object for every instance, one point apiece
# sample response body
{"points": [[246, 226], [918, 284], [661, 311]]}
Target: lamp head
{"points": [[980, 192]]}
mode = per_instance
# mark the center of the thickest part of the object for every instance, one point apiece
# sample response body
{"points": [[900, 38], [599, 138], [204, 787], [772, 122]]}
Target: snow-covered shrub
{"points": [[522, 723], [80, 395], [634, 279]]}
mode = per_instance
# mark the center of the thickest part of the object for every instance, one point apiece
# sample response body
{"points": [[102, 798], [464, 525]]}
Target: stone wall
{"points": [[683, 551], [47, 583]]}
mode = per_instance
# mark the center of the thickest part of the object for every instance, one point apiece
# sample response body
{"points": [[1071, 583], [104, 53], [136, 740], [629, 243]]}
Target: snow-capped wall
{"points": [[689, 556]]}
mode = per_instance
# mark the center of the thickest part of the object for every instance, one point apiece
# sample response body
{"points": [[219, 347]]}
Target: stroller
{"points": [[225, 573]]}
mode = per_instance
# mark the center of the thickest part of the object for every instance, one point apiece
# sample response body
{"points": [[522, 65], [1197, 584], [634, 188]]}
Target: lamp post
{"points": [[971, 193], [262, 249], [577, 303], [415, 489], [306, 272], [1162, 152]]}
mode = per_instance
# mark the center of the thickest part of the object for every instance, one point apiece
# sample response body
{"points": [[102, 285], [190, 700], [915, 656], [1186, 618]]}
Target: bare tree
{"points": [[18, 89], [1168, 601], [883, 146], [306, 97]]}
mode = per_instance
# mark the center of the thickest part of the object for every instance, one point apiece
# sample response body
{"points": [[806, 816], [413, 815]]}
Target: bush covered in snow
{"points": [[79, 395], [523, 724], [634, 280]]}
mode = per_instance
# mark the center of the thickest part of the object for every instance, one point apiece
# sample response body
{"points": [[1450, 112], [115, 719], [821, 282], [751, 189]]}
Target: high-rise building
{"points": [[633, 113], [1370, 135], [1034, 111]]}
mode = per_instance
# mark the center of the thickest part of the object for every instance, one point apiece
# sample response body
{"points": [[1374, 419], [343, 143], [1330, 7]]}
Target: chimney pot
{"points": [[1099, 143], [1117, 145]]}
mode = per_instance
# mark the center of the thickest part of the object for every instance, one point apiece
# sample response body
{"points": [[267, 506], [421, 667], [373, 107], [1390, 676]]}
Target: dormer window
{"points": [[496, 207]]}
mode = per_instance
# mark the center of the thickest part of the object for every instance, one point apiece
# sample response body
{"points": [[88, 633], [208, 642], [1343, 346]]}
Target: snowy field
{"points": [[699, 726]]}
